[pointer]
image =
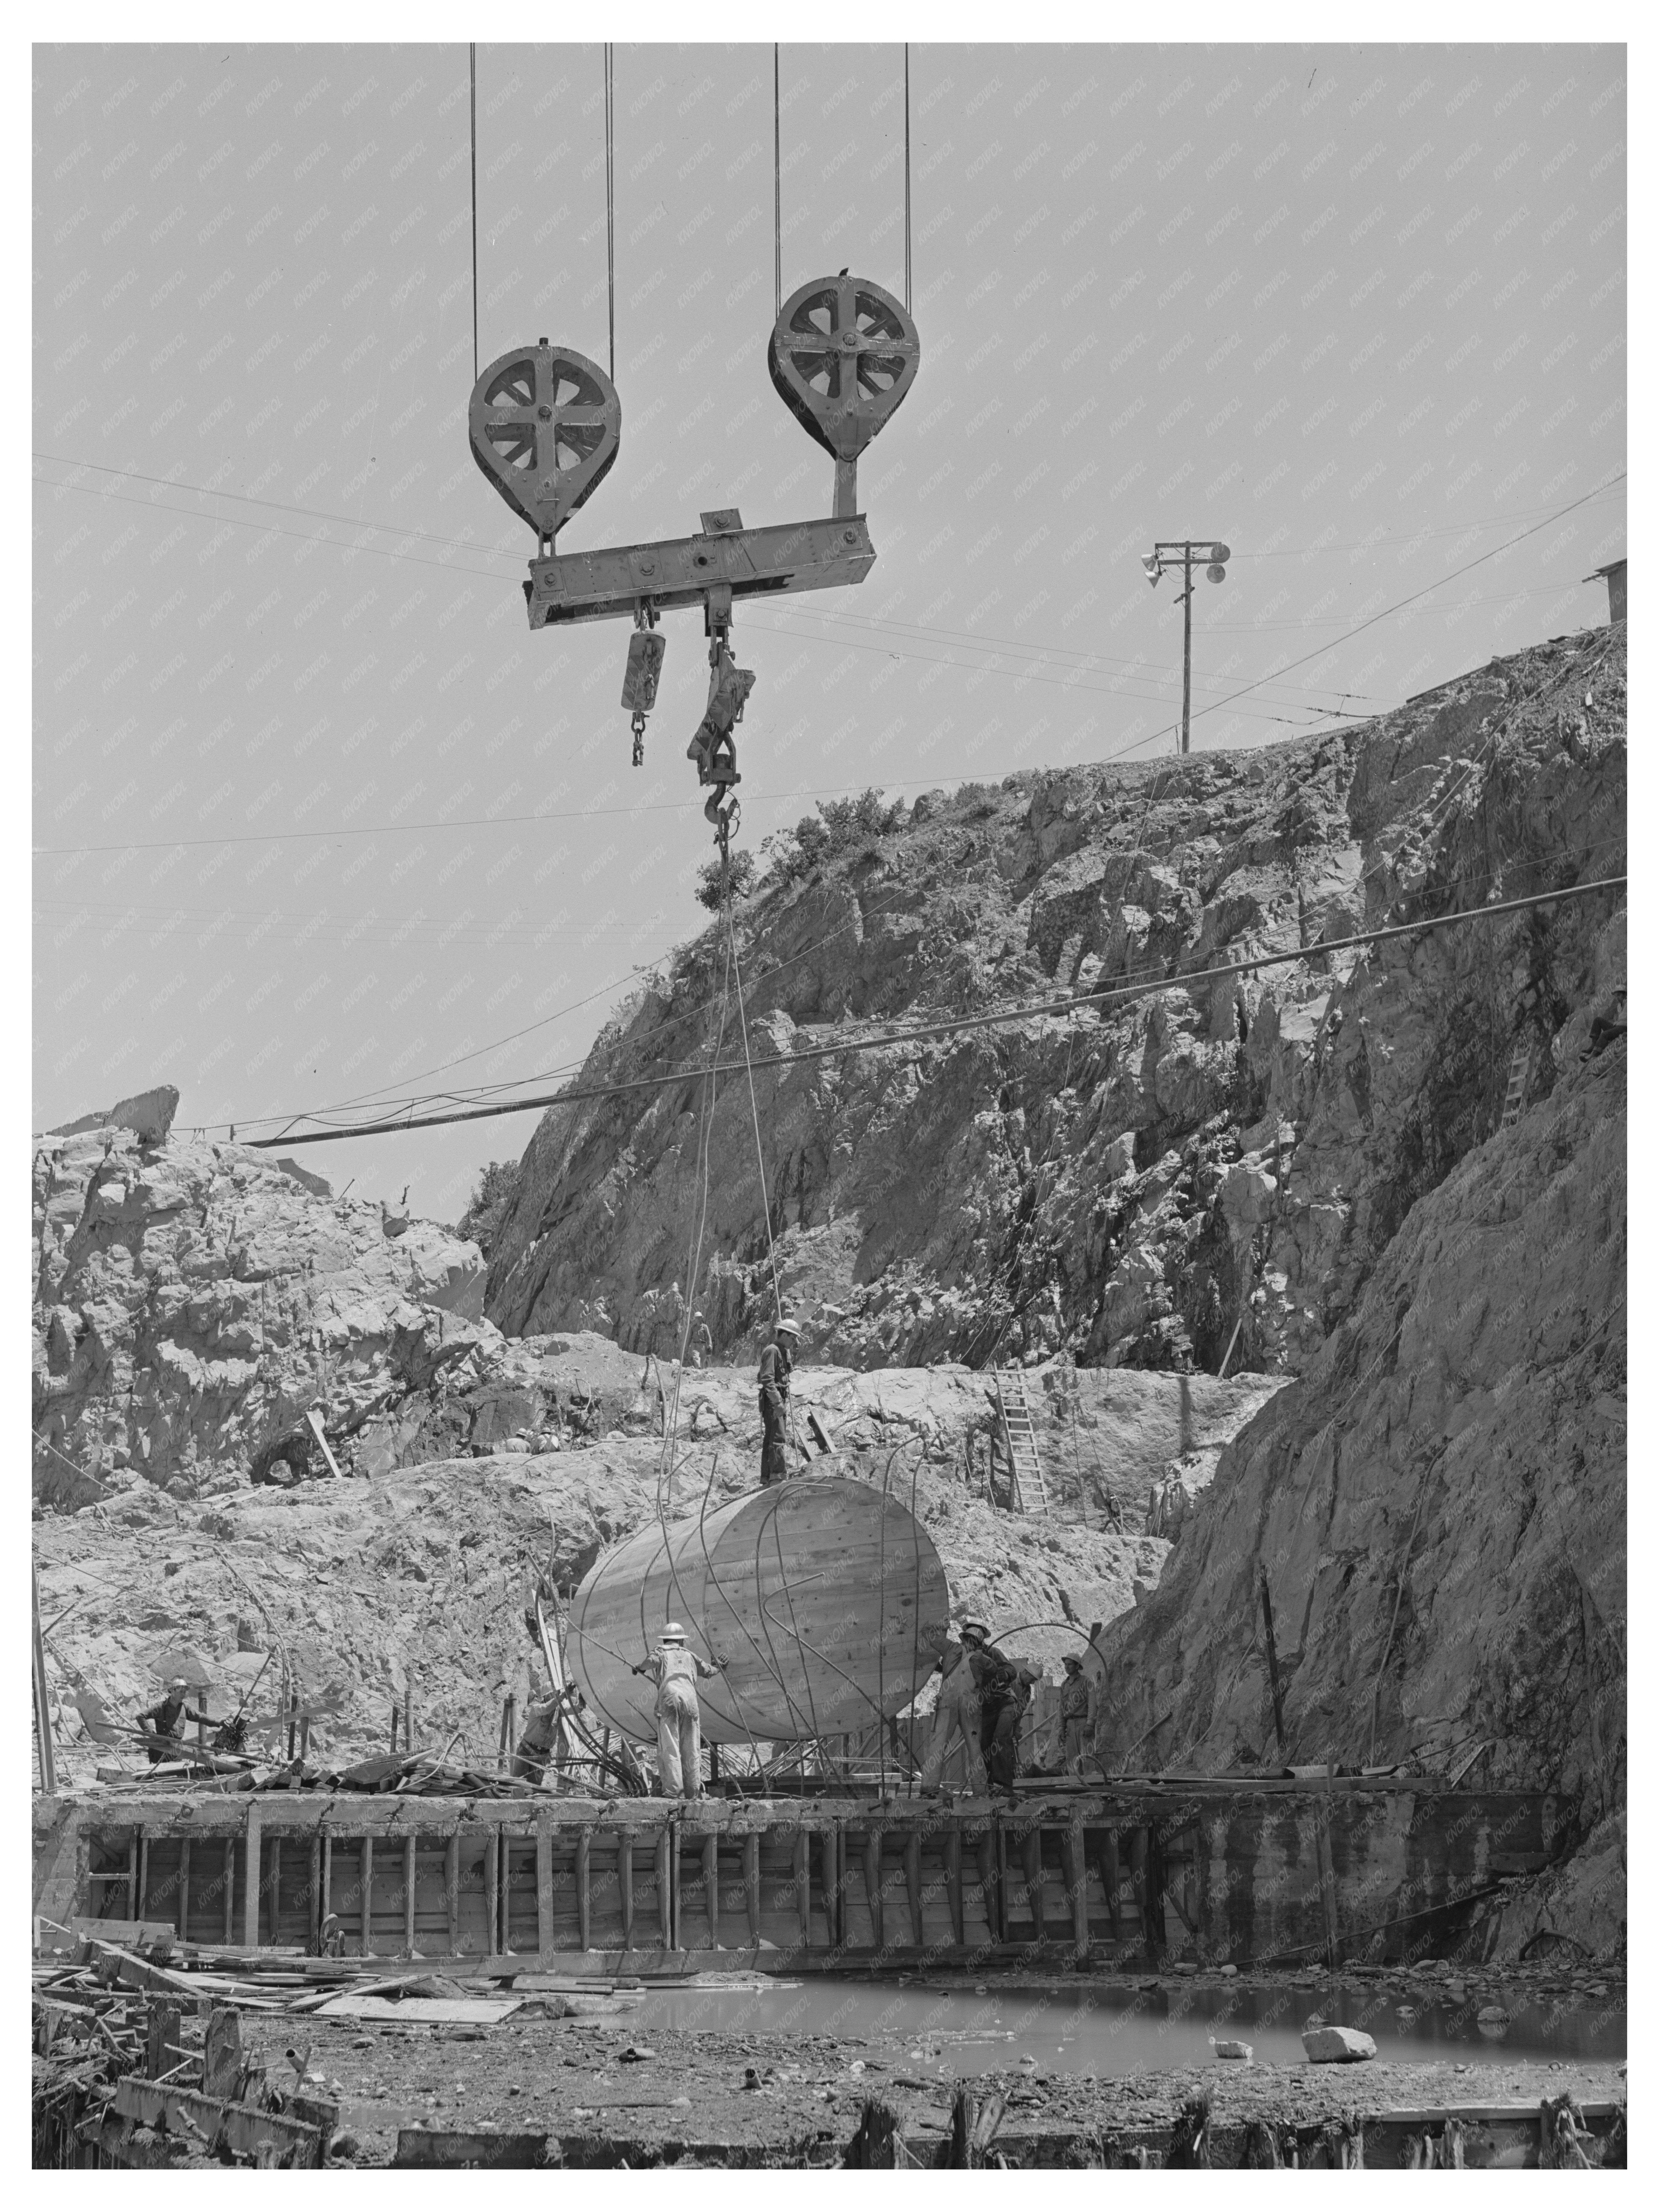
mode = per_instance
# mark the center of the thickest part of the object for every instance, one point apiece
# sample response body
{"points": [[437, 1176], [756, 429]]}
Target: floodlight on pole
{"points": [[1185, 554]]}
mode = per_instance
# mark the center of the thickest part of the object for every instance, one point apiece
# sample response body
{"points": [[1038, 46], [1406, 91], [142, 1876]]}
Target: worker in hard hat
{"points": [[1076, 1703], [957, 1712], [675, 1671], [777, 1362], [165, 1715]]}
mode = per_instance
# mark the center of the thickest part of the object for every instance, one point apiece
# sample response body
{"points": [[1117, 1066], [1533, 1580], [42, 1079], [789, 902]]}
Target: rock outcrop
{"points": [[1438, 1506], [191, 1300], [1214, 1167]]}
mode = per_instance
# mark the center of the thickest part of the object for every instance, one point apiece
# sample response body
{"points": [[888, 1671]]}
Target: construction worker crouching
{"points": [[777, 1362], [675, 1671]]}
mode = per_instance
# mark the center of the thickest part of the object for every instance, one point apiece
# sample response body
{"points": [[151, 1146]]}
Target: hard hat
{"points": [[788, 1326], [1072, 1660], [179, 1682], [975, 1628], [673, 1634]]}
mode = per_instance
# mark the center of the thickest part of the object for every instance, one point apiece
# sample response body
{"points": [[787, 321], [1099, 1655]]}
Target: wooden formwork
{"points": [[1204, 1869]]}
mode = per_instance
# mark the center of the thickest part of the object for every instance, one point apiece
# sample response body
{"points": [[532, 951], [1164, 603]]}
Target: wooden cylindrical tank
{"points": [[825, 1597]]}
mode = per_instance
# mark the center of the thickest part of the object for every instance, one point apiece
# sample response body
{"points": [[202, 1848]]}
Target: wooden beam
{"points": [[133, 1912], [230, 1889], [1139, 1882], [953, 1881], [1077, 1880], [545, 1879], [492, 1917], [409, 1895], [325, 1884], [751, 1890], [711, 1887], [452, 1890], [251, 1885], [183, 1891], [985, 1860], [625, 1884], [366, 1899], [913, 1882], [272, 1882], [142, 1912], [1111, 1876], [584, 1888], [504, 1891], [315, 1895], [1036, 1893], [664, 1890], [804, 1888], [831, 1888], [872, 1884]]}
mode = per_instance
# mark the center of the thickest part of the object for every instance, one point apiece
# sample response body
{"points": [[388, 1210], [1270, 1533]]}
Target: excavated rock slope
{"points": [[349, 1587], [1133, 1184], [1437, 1507]]}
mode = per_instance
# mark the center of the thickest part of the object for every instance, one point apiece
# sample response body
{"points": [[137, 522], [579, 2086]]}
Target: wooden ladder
{"points": [[1019, 1433], [1520, 1068]]}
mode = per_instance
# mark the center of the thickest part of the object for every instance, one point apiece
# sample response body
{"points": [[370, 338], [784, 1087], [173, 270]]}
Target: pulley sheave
{"points": [[545, 425], [842, 354]]}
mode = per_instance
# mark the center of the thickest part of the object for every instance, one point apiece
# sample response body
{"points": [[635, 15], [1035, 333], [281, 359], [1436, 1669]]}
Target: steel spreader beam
{"points": [[682, 572]]}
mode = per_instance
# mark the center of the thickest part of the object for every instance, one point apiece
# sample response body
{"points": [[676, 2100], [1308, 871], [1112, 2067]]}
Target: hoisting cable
{"points": [[611, 196], [777, 192], [907, 176], [472, 74], [1055, 1008]]}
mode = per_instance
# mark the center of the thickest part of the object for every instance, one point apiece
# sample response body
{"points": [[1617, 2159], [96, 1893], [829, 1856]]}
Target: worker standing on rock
{"points": [[675, 1671], [702, 1343], [957, 1711], [542, 1736], [777, 1362]]}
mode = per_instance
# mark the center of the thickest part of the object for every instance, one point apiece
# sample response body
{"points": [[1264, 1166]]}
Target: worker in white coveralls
{"points": [[958, 1710], [676, 1671]]}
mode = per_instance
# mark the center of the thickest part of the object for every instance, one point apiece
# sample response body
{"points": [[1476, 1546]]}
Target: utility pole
{"points": [[1183, 553]]}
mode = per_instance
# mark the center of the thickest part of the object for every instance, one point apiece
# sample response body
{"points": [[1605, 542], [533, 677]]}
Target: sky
{"points": [[319, 822]]}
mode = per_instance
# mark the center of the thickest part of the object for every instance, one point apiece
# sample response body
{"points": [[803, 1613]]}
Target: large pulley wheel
{"points": [[545, 424], [842, 354]]}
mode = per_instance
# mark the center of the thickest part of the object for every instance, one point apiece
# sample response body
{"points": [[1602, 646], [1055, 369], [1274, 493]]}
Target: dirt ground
{"points": [[746, 2098]]}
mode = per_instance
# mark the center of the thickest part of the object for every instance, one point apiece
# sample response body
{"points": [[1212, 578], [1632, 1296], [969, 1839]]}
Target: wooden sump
{"points": [[1246, 1872]]}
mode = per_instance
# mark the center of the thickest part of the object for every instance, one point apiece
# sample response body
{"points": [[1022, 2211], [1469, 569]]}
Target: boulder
{"points": [[148, 1114], [1336, 2047]]}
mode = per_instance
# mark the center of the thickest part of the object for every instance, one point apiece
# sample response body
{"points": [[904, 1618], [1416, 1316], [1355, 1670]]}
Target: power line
{"points": [[251, 499], [1051, 1009], [1410, 537], [1411, 598], [1309, 918]]}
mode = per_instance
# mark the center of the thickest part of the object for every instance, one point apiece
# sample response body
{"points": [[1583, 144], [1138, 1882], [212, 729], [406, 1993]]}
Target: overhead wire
{"points": [[777, 187], [1056, 1008], [1371, 621], [1311, 917], [907, 177]]}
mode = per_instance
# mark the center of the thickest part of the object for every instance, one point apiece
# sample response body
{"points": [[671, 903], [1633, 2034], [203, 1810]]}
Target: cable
{"points": [[907, 176], [611, 196], [472, 74], [1055, 1009], [754, 1111], [777, 189], [1372, 620], [1409, 537], [1310, 918]]}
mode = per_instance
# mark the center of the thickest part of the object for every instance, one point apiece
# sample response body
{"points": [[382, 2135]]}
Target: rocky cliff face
{"points": [[1437, 1507], [1218, 1164]]}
